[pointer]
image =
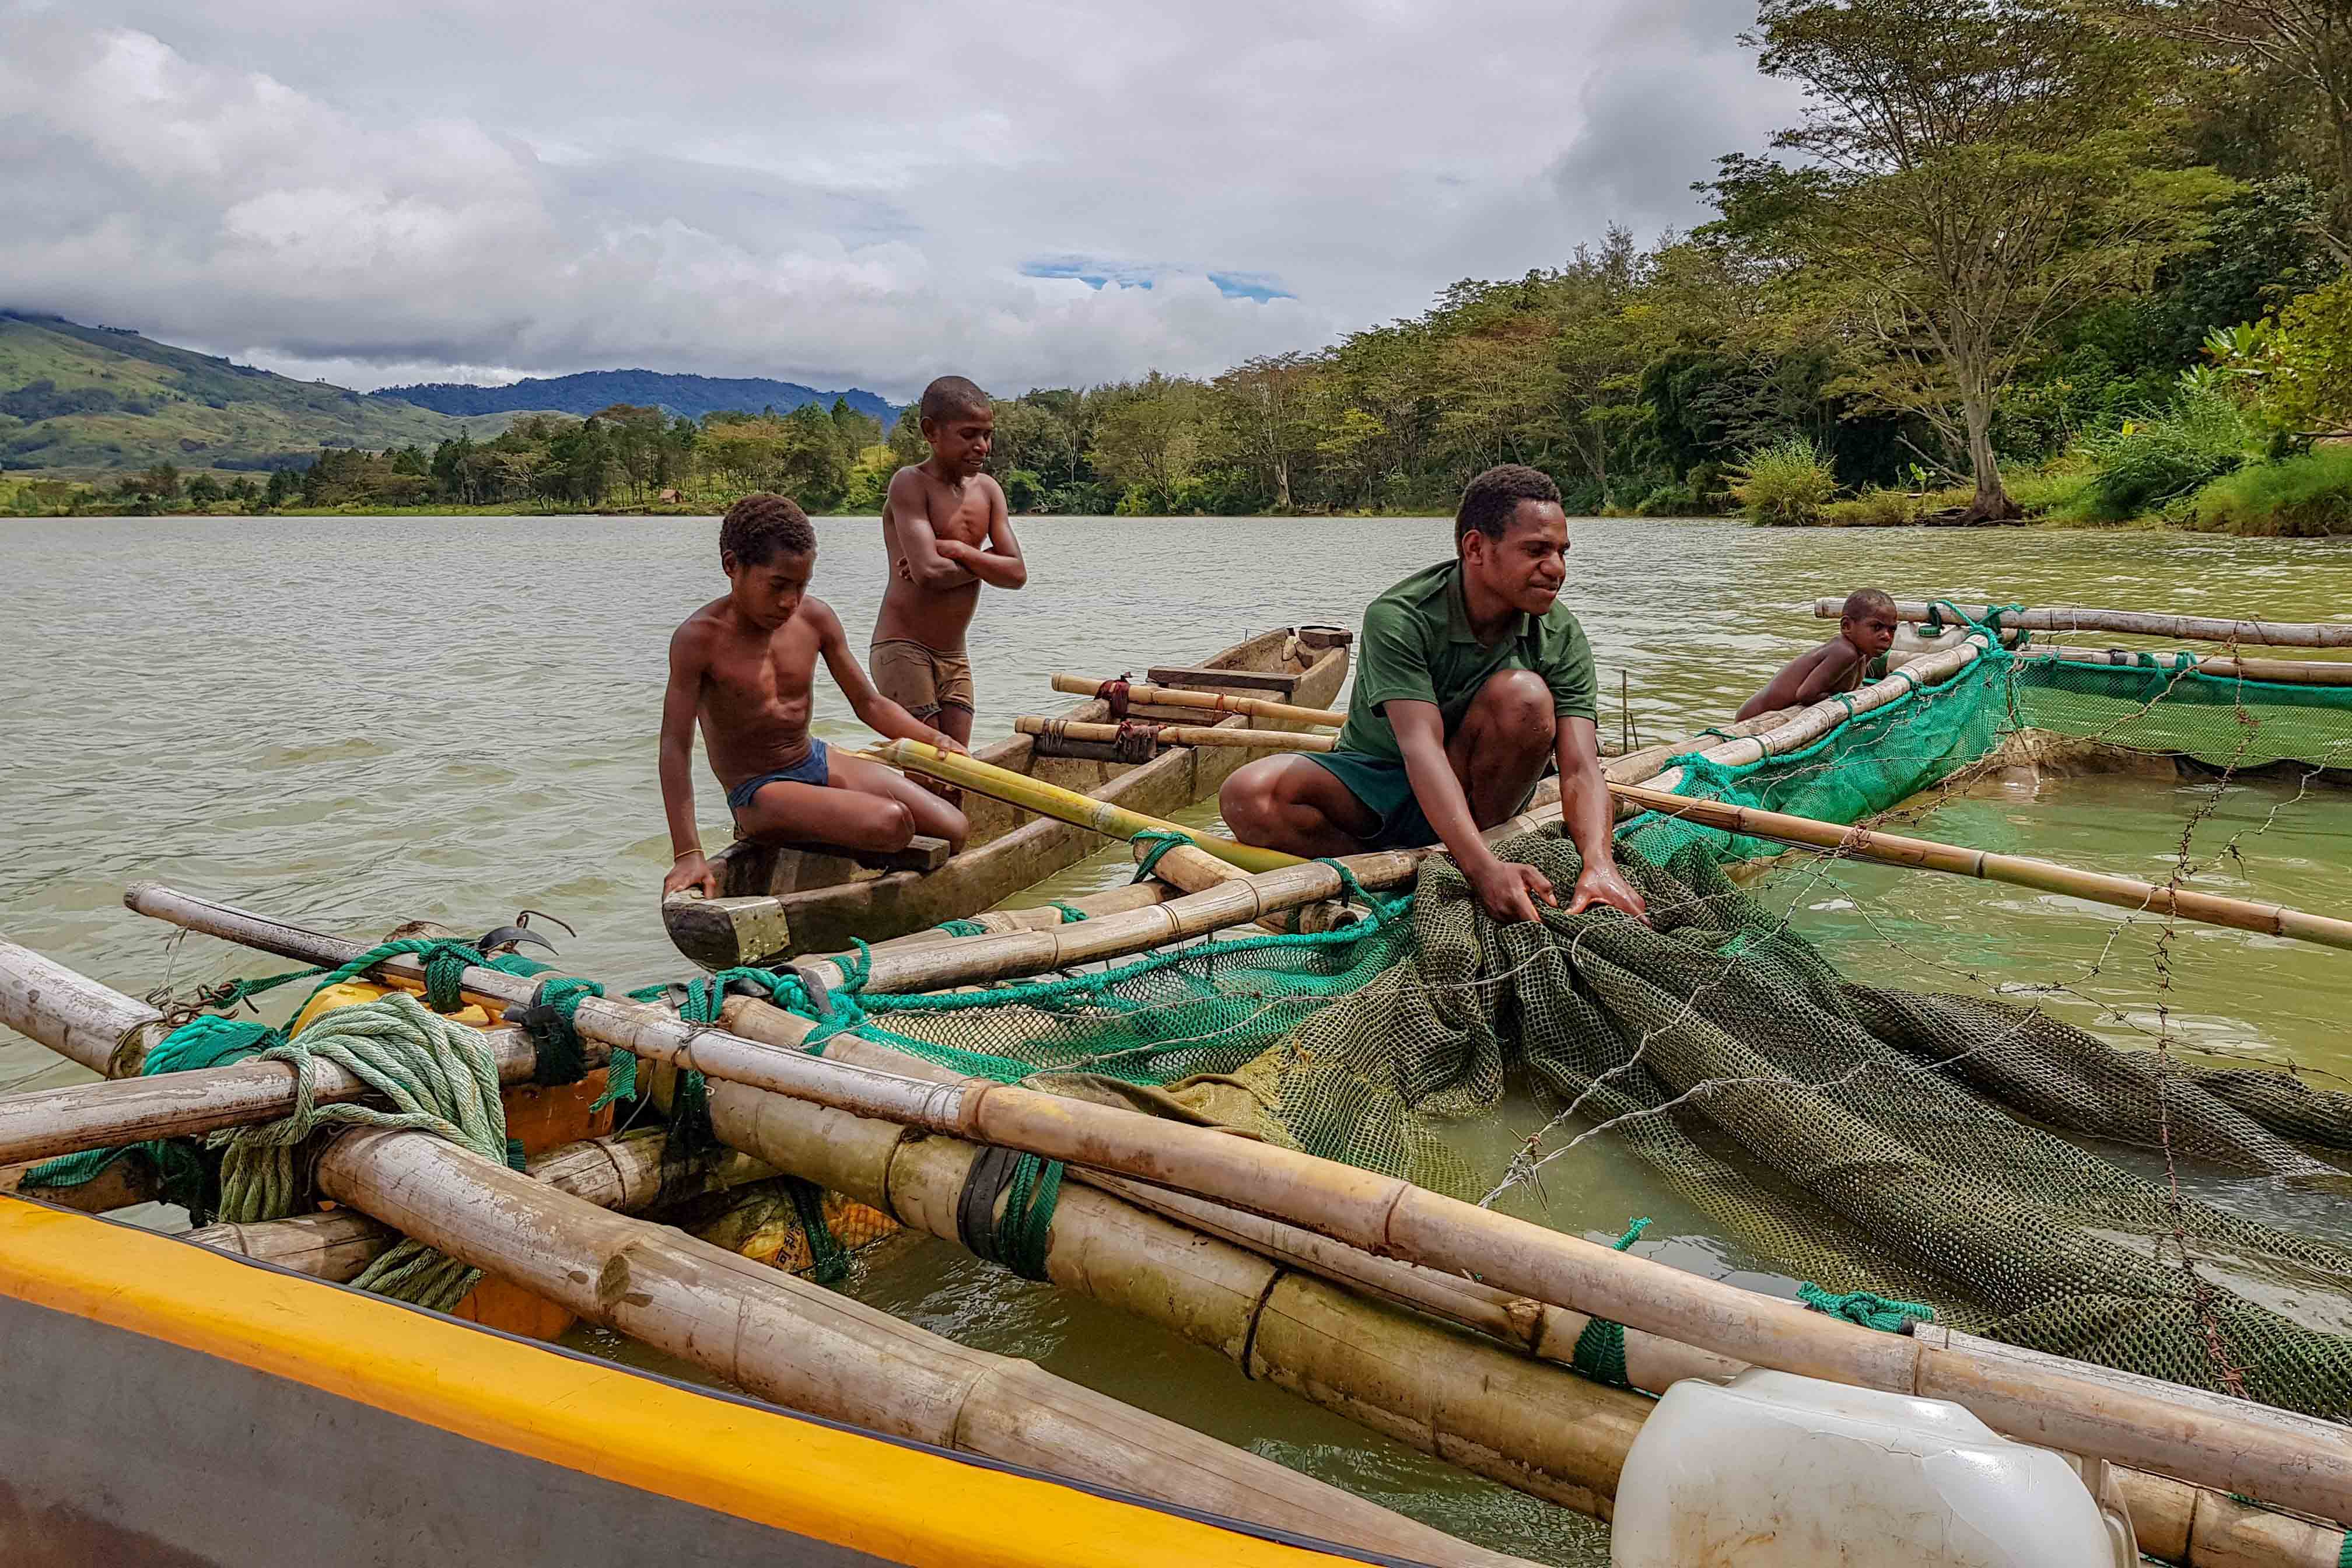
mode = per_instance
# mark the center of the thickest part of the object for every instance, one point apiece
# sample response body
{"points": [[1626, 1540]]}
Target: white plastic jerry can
{"points": [[1777, 1471]]}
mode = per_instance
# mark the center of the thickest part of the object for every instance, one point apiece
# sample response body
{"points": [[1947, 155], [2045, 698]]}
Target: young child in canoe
{"points": [[945, 529], [1866, 631], [743, 665]]}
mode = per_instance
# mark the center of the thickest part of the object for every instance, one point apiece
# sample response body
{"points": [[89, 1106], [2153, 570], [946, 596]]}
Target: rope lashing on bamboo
{"points": [[185, 1176], [550, 1020], [961, 928], [1352, 891], [1933, 626], [445, 960], [1600, 1352], [1870, 1310], [1138, 739], [1031, 1187], [1161, 839], [1115, 692], [1071, 913], [690, 1132]]}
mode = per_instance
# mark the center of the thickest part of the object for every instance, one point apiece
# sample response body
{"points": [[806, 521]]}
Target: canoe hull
{"points": [[781, 903]]}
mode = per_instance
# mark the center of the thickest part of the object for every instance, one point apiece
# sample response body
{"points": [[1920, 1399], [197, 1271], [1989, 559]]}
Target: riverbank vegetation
{"points": [[2080, 261]]}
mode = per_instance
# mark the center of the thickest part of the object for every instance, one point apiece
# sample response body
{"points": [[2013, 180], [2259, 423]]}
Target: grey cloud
{"points": [[381, 194]]}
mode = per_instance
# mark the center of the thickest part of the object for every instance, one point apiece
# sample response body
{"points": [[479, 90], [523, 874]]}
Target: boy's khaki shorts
{"points": [[921, 678]]}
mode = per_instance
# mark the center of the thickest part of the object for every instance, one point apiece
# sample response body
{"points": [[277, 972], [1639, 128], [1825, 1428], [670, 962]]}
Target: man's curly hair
{"points": [[1492, 499], [758, 528]]}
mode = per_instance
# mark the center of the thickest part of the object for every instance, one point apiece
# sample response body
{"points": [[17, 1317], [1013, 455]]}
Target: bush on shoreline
{"points": [[2305, 497]]}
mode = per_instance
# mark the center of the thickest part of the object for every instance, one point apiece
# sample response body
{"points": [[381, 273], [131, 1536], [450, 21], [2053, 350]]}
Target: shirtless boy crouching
{"points": [[946, 531], [1866, 631], [743, 665]]}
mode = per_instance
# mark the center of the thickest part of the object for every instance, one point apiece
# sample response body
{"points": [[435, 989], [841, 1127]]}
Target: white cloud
{"points": [[476, 189]]}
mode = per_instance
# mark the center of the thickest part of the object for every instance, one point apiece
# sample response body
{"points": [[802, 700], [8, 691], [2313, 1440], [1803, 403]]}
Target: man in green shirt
{"points": [[1471, 676]]}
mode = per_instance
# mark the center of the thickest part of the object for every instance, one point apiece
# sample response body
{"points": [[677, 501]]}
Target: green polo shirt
{"points": [[1418, 647]]}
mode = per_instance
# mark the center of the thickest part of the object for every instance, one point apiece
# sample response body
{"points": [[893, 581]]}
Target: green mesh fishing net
{"points": [[1965, 1150]]}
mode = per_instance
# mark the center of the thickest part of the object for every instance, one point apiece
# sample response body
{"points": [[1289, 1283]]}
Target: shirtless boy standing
{"points": [[946, 531], [743, 665], [1866, 631]]}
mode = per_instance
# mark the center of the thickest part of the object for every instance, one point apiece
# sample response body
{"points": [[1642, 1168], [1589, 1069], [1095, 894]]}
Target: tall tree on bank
{"points": [[1966, 172], [2304, 44]]}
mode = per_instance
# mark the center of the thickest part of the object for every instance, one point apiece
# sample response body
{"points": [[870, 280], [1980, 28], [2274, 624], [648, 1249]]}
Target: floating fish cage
{"points": [[1220, 1101]]}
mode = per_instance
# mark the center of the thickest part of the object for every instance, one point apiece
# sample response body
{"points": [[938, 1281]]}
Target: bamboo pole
{"points": [[1177, 735], [1208, 702], [1810, 723], [113, 1042], [1926, 854], [803, 1346], [1067, 805], [2249, 1453], [2135, 623], [1539, 1428], [2275, 671], [626, 1172]]}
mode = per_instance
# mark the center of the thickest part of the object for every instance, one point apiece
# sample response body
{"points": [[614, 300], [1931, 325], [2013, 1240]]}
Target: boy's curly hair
{"points": [[758, 528], [1492, 499]]}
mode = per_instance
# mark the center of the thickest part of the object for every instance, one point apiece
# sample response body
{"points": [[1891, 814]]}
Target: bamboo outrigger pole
{"points": [[1388, 1216], [1207, 702], [1926, 854], [2133, 623], [1178, 736]]}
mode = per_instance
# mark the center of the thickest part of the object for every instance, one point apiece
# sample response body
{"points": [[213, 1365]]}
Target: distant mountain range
{"points": [[81, 401], [592, 390], [86, 399]]}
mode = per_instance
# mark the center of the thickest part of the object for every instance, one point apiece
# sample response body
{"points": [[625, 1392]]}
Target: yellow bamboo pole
{"points": [[1208, 701], [1927, 855], [1069, 806], [1181, 735]]}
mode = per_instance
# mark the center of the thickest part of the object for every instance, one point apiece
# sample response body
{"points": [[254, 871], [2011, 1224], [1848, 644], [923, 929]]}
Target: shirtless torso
{"points": [[936, 612], [754, 699], [945, 538], [748, 689]]}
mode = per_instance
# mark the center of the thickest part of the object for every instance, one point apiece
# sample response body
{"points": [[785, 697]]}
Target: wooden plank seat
{"points": [[1280, 684]]}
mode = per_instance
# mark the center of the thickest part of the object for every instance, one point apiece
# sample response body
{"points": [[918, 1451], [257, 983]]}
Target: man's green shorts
{"points": [[1382, 787]]}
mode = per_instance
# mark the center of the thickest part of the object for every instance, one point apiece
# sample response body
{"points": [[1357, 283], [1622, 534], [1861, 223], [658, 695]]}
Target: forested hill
{"points": [[98, 398], [590, 392]]}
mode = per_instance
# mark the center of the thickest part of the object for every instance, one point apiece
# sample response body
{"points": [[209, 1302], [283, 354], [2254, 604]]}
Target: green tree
{"points": [[203, 491], [1968, 171], [285, 484], [1264, 409]]}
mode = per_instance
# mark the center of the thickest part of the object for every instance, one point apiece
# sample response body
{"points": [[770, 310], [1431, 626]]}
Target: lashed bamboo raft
{"points": [[2260, 1457], [1326, 1280], [2130, 623]]}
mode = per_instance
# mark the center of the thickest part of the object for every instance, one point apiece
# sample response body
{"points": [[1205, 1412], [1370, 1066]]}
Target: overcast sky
{"points": [[1029, 193]]}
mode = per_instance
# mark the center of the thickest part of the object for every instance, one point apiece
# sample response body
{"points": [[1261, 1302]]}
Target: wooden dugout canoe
{"points": [[776, 902]]}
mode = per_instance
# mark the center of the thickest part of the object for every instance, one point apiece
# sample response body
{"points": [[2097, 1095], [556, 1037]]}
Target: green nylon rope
{"points": [[1071, 913], [1031, 1197], [1867, 1307], [961, 928], [1161, 839], [440, 1077], [1599, 1352]]}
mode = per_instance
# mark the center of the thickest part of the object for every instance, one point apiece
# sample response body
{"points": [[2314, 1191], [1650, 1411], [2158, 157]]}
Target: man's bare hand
{"points": [[1510, 891], [905, 570], [949, 744], [691, 870], [1602, 883]]}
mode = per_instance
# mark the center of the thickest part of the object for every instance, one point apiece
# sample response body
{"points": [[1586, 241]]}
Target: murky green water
{"points": [[353, 723]]}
